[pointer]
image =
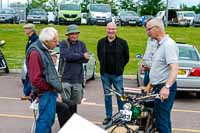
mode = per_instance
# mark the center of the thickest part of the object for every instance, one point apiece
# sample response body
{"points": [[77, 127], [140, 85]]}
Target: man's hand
{"points": [[86, 55], [164, 93], [59, 98]]}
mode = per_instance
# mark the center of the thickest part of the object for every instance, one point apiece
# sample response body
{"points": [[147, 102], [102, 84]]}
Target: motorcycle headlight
{"points": [[127, 106]]}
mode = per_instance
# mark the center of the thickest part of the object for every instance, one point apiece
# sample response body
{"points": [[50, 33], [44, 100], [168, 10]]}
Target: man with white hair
{"points": [[43, 77], [113, 55], [163, 74]]}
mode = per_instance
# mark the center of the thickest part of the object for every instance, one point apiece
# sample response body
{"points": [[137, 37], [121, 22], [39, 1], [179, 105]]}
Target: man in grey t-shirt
{"points": [[163, 74]]}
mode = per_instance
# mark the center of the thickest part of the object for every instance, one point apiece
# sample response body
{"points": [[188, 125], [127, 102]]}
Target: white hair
{"points": [[48, 34], [111, 24], [157, 22]]}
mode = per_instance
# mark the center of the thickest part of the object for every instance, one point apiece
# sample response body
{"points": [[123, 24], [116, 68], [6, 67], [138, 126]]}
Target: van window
{"points": [[188, 14], [100, 8]]}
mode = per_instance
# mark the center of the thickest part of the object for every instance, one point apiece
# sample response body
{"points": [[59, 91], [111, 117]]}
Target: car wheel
{"points": [[198, 94], [84, 77]]}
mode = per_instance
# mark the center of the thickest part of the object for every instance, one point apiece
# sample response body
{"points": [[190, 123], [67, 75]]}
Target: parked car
{"points": [[69, 14], [189, 69], [8, 16], [83, 18], [188, 15], [196, 21], [115, 19], [128, 18], [89, 68], [99, 14], [51, 17], [174, 18], [143, 19], [37, 16]]}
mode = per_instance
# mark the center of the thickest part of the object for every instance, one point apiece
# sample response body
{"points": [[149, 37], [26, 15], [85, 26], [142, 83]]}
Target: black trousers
{"points": [[64, 113]]}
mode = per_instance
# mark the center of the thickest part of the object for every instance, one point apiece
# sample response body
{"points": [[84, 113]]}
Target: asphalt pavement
{"points": [[16, 117]]}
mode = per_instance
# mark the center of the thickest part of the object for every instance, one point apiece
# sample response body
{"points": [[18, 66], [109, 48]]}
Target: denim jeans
{"points": [[146, 77], [47, 110], [163, 110], [107, 82]]}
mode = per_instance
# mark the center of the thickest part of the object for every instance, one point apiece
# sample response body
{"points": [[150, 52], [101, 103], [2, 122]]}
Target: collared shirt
{"points": [[151, 48], [166, 54]]}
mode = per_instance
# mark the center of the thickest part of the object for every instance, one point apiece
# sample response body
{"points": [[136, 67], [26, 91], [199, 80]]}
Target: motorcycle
{"points": [[3, 63], [137, 115]]}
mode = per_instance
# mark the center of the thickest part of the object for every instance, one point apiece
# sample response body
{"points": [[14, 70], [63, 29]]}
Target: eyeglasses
{"points": [[150, 28]]}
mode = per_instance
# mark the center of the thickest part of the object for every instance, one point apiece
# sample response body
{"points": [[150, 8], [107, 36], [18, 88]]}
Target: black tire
{"points": [[6, 70]]}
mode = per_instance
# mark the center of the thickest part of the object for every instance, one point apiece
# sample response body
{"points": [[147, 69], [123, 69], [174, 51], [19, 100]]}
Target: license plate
{"points": [[36, 22], [182, 72], [132, 22], [126, 115], [100, 20]]}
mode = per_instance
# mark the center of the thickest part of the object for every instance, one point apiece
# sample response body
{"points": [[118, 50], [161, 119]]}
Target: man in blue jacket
{"points": [[74, 54]]}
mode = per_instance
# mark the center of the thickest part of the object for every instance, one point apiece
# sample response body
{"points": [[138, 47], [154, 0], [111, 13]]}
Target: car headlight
{"points": [[127, 106], [8, 17], [93, 15]]}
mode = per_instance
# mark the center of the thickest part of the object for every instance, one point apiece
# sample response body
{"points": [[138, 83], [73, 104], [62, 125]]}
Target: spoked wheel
{"points": [[4, 64]]}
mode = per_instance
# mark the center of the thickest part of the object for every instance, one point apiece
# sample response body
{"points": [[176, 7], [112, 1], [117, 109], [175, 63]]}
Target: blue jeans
{"points": [[47, 110], [146, 77], [163, 110], [107, 82]]}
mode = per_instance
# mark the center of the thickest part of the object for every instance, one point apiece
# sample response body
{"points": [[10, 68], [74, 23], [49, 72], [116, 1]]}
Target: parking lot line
{"points": [[17, 116], [95, 122], [102, 105]]}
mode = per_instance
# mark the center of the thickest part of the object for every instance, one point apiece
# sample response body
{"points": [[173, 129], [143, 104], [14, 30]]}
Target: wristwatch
{"points": [[167, 86]]}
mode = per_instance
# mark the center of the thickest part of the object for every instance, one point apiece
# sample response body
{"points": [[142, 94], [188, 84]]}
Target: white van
{"points": [[188, 15], [174, 18], [99, 14]]}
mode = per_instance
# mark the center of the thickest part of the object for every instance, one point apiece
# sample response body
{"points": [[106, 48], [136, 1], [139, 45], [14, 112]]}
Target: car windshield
{"points": [[100, 8], [37, 12], [128, 13], [189, 14], [7, 11], [72, 7], [188, 53]]}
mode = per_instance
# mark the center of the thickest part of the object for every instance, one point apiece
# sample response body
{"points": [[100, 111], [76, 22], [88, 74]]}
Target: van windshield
{"points": [[72, 7], [100, 8], [189, 15]]}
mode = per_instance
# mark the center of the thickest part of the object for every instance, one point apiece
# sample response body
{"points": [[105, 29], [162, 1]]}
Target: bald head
{"points": [[112, 25], [111, 30]]}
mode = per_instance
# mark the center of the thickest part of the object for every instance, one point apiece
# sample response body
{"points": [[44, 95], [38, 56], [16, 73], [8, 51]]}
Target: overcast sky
{"points": [[174, 3]]}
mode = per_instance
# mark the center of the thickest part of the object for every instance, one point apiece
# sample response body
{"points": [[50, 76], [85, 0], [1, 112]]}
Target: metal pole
{"points": [[167, 6]]}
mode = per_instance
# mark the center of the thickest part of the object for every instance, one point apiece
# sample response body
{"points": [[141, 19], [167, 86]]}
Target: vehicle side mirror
{"points": [[138, 56]]}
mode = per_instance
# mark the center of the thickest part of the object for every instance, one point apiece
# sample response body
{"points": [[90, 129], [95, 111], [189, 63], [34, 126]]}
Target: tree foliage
{"points": [[128, 5], [184, 7], [151, 7]]}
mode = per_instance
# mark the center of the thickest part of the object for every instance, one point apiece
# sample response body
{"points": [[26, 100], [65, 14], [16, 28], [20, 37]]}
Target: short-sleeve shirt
{"points": [[166, 54], [151, 48]]}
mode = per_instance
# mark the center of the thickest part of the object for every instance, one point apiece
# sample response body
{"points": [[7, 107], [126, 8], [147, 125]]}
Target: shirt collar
{"points": [[163, 40], [43, 45]]}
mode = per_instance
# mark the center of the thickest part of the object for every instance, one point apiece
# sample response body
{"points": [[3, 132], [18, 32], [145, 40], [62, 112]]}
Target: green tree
{"points": [[128, 5], [53, 4], [151, 7]]}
